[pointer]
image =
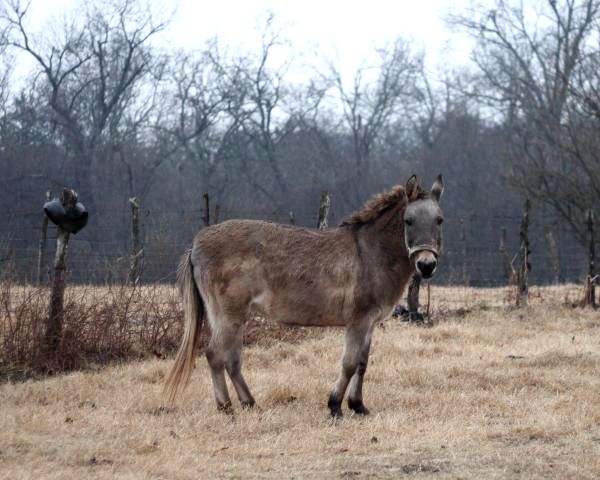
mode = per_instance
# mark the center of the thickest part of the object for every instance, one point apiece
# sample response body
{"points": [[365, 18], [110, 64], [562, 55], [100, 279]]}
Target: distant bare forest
{"points": [[109, 112]]}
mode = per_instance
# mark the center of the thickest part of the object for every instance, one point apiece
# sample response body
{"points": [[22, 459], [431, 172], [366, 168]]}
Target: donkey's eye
{"points": [[409, 221], [440, 220]]}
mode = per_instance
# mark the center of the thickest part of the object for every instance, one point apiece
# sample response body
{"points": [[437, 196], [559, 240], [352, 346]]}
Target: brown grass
{"points": [[488, 392]]}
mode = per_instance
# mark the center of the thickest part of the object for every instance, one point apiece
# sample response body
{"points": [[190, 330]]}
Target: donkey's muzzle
{"points": [[426, 266]]}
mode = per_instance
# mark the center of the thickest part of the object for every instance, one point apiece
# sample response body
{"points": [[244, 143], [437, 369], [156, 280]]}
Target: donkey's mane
{"points": [[380, 203], [376, 206]]}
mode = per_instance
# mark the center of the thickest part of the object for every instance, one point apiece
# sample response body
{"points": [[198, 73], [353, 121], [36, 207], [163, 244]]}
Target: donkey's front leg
{"points": [[355, 397], [356, 335]]}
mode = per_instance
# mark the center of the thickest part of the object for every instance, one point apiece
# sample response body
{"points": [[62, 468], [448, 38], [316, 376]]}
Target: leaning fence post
{"points": [[206, 216], [412, 299], [525, 266], [43, 245], [324, 209], [590, 283], [137, 250], [70, 217]]}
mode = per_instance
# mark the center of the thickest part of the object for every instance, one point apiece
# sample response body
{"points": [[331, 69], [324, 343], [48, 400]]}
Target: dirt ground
{"points": [[488, 392]]}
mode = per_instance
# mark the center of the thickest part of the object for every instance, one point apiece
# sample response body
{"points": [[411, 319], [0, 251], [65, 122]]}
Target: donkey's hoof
{"points": [[248, 405], [336, 413], [358, 406], [335, 407], [226, 408]]}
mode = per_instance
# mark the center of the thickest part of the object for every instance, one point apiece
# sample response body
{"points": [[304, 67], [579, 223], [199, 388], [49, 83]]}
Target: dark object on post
{"points": [[70, 216], [74, 217]]}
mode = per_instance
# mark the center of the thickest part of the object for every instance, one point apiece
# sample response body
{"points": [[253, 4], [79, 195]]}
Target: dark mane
{"points": [[379, 204]]}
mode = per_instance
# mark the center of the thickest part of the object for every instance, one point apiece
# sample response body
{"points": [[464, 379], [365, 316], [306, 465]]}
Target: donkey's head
{"points": [[423, 225]]}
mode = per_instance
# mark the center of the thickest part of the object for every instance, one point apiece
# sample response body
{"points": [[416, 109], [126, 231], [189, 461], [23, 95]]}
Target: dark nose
{"points": [[426, 267]]}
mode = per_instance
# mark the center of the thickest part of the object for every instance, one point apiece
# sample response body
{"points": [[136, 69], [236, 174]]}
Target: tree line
{"points": [[107, 109]]}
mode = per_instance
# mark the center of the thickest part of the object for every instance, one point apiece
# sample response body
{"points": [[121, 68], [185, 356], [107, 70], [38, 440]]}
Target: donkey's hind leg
{"points": [[216, 362], [233, 364], [224, 353]]}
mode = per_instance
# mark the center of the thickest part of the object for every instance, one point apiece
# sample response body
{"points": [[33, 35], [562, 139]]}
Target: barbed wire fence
{"points": [[476, 246]]}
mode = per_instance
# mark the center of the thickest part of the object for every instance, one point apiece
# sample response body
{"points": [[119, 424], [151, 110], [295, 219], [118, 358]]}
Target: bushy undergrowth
{"points": [[101, 325]]}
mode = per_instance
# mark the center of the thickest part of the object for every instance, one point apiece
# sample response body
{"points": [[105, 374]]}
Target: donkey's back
{"points": [[293, 275]]}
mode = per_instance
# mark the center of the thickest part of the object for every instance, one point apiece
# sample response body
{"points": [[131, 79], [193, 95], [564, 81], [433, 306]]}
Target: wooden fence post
{"points": [[324, 209], [412, 299], [217, 213], [590, 282], [554, 253], [42, 247], [206, 216], [463, 241], [504, 256], [68, 198], [137, 250], [525, 265]]}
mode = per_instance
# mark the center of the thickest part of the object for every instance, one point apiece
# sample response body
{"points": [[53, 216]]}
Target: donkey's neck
{"points": [[385, 263]]}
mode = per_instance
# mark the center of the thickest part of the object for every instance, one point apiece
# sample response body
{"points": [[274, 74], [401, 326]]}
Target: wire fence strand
{"points": [[101, 252]]}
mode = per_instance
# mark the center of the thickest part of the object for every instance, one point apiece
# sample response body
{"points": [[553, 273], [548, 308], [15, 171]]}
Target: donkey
{"points": [[350, 276]]}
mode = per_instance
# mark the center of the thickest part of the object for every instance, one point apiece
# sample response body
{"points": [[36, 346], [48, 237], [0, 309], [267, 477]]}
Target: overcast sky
{"points": [[351, 28]]}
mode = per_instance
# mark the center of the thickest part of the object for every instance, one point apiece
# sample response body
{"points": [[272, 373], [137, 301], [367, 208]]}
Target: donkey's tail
{"points": [[193, 316]]}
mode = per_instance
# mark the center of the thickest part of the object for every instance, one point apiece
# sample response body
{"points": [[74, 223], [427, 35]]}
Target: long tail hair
{"points": [[193, 315]]}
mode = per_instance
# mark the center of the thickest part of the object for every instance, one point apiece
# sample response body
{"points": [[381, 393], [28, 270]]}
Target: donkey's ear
{"points": [[412, 188], [437, 188]]}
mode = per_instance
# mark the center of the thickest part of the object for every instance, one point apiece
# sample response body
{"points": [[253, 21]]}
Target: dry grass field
{"points": [[488, 392]]}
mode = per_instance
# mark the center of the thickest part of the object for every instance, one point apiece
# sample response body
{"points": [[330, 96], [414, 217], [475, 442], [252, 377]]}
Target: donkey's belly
{"points": [[289, 312], [291, 319], [309, 307]]}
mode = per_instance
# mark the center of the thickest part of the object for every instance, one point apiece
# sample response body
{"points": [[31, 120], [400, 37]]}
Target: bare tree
{"points": [[198, 119], [263, 110], [5, 71], [370, 105], [532, 72], [90, 72], [263, 114]]}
